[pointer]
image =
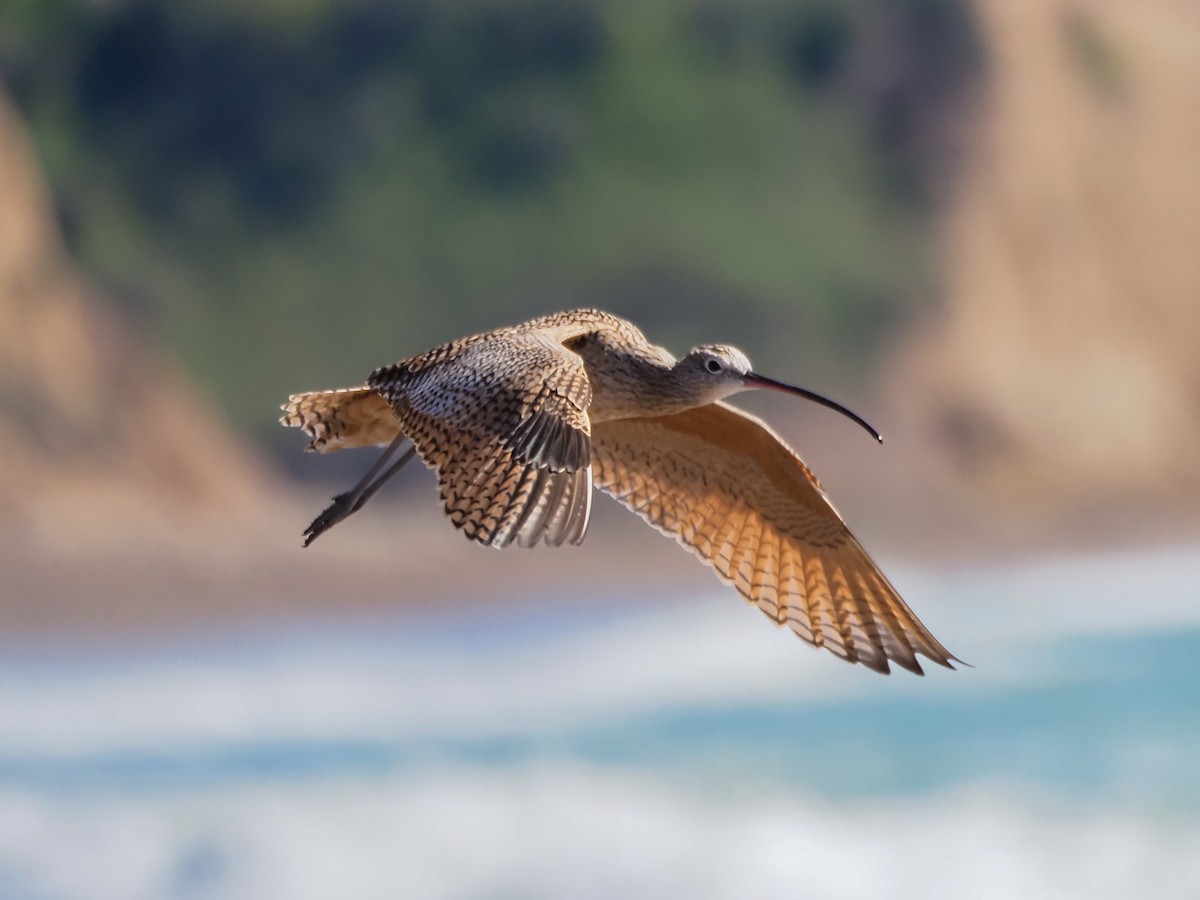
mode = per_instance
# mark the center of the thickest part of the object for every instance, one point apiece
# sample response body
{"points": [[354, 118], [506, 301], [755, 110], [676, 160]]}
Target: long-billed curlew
{"points": [[521, 422]]}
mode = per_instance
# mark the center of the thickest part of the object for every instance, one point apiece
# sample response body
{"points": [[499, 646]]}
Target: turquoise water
{"points": [[680, 747]]}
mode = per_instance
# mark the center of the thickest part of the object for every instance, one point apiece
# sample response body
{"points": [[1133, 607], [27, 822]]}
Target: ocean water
{"points": [[627, 747]]}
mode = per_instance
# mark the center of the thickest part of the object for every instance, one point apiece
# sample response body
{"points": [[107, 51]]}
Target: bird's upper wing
{"points": [[503, 420], [726, 487]]}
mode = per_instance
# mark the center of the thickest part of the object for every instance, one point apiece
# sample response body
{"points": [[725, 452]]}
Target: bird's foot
{"points": [[340, 508]]}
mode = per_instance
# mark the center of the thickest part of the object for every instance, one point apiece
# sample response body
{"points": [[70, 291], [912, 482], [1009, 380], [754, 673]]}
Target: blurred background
{"points": [[975, 223]]}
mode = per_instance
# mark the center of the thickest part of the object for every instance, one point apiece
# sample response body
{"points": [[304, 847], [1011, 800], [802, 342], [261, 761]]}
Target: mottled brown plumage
{"points": [[519, 423], [347, 417]]}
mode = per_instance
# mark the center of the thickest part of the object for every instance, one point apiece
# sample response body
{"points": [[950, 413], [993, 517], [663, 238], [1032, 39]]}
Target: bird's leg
{"points": [[354, 499], [383, 479]]}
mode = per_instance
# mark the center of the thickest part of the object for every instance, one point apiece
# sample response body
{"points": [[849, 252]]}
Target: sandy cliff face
{"points": [[104, 444], [1061, 377]]}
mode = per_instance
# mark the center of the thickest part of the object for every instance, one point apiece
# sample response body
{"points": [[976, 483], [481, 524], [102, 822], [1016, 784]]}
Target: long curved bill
{"points": [[754, 380]]}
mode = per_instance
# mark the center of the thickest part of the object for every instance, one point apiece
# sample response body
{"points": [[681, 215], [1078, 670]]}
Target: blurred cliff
{"points": [[106, 444], [1058, 384]]}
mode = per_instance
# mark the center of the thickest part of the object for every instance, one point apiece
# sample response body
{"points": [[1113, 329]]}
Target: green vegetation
{"points": [[294, 192], [1096, 57]]}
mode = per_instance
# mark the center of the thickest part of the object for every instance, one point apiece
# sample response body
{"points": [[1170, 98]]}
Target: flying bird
{"points": [[522, 422]]}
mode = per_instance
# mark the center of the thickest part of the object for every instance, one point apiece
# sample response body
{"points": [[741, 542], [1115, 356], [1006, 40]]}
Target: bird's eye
{"points": [[713, 366]]}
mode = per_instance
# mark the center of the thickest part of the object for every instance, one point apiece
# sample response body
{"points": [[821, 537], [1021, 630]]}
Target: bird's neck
{"points": [[627, 385]]}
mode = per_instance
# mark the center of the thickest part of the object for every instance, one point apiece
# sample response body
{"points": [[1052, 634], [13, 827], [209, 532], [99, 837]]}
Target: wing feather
{"points": [[727, 488], [581, 510], [503, 420]]}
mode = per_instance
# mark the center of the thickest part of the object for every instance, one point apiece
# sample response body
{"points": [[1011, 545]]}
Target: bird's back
{"points": [[463, 370], [557, 328], [620, 364]]}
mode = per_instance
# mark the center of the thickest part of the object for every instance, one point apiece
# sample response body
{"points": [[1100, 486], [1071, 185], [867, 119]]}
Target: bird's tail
{"points": [[347, 417]]}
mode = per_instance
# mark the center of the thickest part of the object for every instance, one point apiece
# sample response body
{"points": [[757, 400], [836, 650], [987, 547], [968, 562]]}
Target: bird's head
{"points": [[718, 370]]}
